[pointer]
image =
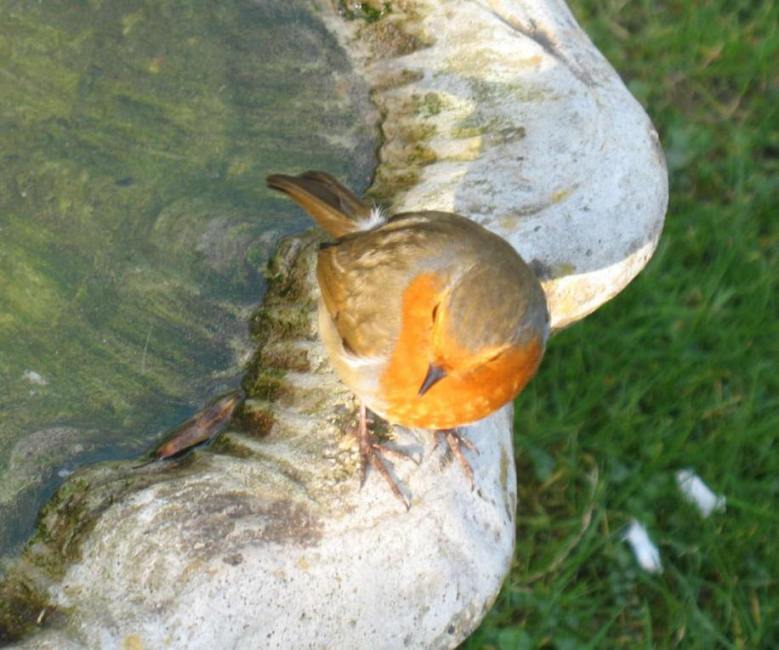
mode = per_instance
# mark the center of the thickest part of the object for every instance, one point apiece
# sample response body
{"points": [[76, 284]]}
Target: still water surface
{"points": [[134, 220]]}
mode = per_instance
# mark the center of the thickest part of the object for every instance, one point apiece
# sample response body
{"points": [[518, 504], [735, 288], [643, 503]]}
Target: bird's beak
{"points": [[434, 374]]}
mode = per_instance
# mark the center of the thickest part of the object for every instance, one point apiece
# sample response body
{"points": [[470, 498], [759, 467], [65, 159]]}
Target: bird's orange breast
{"points": [[458, 398]]}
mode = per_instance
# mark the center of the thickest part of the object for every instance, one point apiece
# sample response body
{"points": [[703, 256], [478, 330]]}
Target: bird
{"points": [[430, 319]]}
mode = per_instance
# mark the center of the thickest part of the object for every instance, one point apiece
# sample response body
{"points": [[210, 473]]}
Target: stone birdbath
{"points": [[500, 110]]}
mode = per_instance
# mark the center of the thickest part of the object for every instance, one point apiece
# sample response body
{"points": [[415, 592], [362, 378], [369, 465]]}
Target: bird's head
{"points": [[483, 318]]}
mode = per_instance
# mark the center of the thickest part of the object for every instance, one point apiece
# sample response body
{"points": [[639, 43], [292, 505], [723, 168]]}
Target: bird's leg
{"points": [[371, 452], [456, 441]]}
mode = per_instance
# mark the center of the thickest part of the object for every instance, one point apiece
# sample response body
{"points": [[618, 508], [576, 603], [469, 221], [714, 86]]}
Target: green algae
{"points": [[267, 384], [22, 606], [63, 524], [427, 105], [285, 317], [228, 445], [255, 418], [370, 12], [134, 219]]}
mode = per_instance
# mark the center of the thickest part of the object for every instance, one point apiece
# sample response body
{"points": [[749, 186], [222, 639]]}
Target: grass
{"points": [[681, 370]]}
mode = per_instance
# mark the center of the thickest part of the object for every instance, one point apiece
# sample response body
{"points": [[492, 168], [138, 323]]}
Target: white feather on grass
{"points": [[697, 492], [647, 554]]}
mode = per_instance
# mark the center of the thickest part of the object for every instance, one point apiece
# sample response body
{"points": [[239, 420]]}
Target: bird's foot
{"points": [[372, 452], [455, 442]]}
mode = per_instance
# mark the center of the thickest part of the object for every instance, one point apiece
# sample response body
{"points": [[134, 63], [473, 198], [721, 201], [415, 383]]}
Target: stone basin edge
{"points": [[419, 168]]}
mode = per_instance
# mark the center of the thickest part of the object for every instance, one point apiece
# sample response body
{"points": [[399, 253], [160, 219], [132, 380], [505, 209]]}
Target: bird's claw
{"points": [[371, 452], [455, 442]]}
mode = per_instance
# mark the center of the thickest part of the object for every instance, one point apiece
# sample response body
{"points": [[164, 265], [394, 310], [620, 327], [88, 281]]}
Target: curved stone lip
{"points": [[269, 533], [505, 112]]}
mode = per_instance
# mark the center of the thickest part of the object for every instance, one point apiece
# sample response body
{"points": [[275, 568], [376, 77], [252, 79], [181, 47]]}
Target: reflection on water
{"points": [[134, 141]]}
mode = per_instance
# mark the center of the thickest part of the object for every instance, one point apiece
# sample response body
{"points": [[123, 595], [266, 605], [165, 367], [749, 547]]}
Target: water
{"points": [[134, 220]]}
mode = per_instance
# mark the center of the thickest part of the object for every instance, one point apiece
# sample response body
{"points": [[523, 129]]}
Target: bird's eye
{"points": [[494, 357]]}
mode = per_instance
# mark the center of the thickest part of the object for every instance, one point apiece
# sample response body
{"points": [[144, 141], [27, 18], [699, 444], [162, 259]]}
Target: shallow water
{"points": [[134, 220]]}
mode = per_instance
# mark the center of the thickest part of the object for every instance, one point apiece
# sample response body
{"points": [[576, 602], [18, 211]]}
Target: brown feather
{"points": [[347, 201], [363, 276], [330, 204]]}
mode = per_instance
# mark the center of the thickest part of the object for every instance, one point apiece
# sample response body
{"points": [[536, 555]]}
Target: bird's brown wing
{"points": [[362, 278], [363, 302]]}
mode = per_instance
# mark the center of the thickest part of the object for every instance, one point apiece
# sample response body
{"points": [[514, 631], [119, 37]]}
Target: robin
{"points": [[430, 319]]}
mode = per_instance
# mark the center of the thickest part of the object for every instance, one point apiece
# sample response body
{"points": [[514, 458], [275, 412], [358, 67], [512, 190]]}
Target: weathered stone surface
{"points": [[502, 111], [267, 540]]}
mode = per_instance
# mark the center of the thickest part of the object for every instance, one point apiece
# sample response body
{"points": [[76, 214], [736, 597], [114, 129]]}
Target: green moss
{"points": [[390, 182], [370, 12], [417, 133], [427, 105], [22, 607], [286, 358], [497, 131], [465, 130], [490, 93], [397, 78], [70, 515], [230, 446], [287, 322], [256, 419], [63, 523], [392, 38], [284, 318], [422, 155], [268, 384]]}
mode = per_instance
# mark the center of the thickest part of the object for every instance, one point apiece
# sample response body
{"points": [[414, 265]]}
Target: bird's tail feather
{"points": [[330, 204]]}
